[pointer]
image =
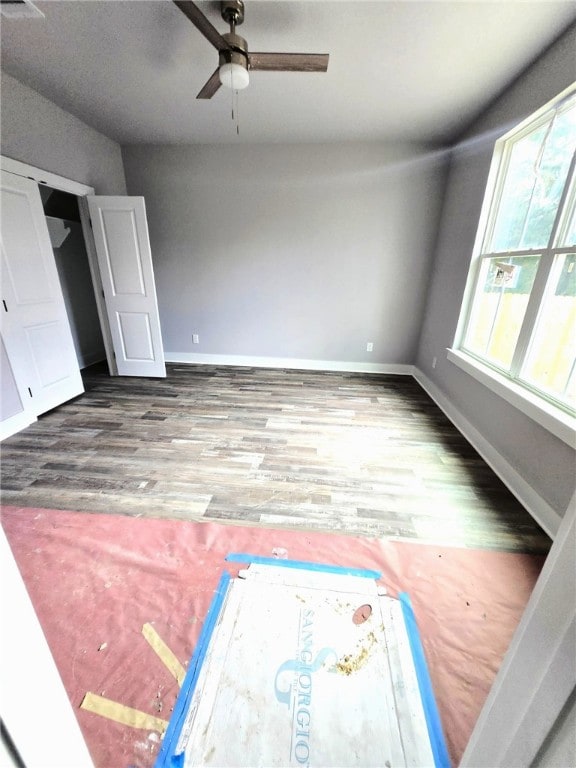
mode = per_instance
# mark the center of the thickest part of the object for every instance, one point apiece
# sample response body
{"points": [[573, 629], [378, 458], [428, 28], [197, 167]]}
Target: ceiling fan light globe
{"points": [[234, 76]]}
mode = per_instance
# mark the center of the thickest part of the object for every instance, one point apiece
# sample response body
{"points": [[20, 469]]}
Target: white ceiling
{"points": [[399, 70]]}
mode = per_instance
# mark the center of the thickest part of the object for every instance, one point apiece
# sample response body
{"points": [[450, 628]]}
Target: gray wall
{"points": [[543, 460], [36, 131], [290, 251]]}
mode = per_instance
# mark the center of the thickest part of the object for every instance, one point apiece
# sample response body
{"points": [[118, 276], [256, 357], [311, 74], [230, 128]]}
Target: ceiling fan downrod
{"points": [[232, 11], [237, 53]]}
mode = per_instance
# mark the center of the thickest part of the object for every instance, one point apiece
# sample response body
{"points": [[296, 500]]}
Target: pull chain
{"points": [[234, 108], [235, 111], [237, 115], [232, 22]]}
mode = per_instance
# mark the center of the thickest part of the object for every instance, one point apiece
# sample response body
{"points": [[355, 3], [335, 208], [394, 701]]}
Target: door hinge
{"points": [[5, 307], [90, 222], [103, 293], [30, 392]]}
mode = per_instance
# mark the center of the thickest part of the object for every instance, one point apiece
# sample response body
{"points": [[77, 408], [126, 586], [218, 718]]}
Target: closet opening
{"points": [[62, 214]]}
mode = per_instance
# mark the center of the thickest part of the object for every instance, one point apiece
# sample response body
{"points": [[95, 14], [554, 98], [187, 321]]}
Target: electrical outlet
{"points": [[369, 346], [195, 338], [434, 361]]}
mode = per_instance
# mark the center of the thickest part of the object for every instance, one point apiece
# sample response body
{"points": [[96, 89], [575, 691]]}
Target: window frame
{"points": [[554, 414]]}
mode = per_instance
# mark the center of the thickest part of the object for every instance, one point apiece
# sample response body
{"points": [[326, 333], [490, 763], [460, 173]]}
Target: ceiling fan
{"points": [[235, 61]]}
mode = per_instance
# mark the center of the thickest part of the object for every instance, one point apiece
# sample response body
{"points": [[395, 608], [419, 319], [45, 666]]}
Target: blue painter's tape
{"points": [[303, 565], [435, 732], [167, 757]]}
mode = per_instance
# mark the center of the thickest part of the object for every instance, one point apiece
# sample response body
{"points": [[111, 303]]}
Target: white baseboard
{"points": [[292, 363], [85, 361], [15, 424], [546, 517]]}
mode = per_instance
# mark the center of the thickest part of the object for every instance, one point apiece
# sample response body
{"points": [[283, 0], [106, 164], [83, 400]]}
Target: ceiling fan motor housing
{"points": [[237, 53]]}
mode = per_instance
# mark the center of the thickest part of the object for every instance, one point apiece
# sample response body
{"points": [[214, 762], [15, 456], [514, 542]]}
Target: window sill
{"points": [[556, 421]]}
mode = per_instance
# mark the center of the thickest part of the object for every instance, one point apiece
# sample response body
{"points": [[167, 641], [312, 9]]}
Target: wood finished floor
{"points": [[339, 452]]}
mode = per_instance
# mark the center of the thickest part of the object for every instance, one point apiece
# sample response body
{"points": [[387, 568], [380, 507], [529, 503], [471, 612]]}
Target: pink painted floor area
{"points": [[95, 580]]}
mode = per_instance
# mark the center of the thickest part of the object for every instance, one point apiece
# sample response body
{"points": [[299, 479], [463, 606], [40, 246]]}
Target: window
{"points": [[518, 320]]}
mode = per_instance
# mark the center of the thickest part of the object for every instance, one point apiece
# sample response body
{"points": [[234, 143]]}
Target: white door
{"points": [[34, 323], [16, 407], [125, 261]]}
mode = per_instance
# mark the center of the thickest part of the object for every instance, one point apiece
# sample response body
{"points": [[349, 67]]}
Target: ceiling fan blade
{"points": [[202, 24], [289, 62], [210, 86]]}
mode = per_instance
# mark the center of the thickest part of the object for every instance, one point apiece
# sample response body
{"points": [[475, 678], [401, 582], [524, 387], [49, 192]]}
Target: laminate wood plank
{"points": [[343, 452]]}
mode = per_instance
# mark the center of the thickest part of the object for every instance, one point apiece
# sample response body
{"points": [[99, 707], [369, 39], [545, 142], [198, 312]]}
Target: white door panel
{"points": [[35, 325], [16, 411], [125, 261], [22, 240]]}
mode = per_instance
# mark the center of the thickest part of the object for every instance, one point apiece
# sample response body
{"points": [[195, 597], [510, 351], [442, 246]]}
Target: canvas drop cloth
{"points": [[96, 580]]}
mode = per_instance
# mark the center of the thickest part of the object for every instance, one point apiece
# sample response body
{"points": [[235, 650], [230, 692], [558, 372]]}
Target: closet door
{"points": [[34, 322], [16, 411], [125, 262]]}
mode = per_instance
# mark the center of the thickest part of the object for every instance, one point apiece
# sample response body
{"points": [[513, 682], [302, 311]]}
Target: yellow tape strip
{"points": [[166, 656], [122, 714]]}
